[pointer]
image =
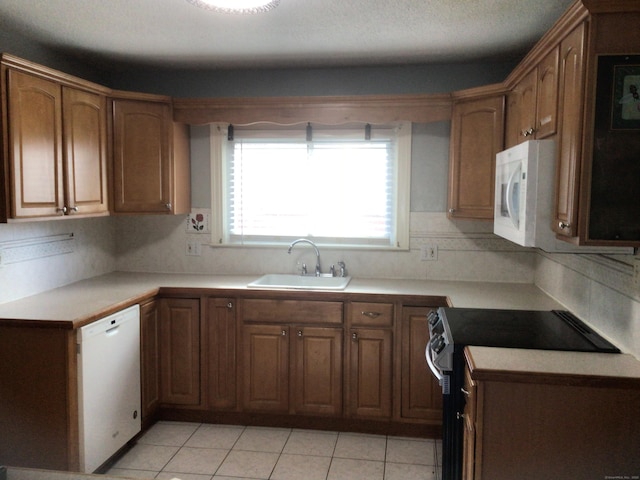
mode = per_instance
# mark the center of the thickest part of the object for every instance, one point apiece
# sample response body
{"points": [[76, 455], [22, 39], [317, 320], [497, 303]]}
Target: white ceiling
{"points": [[297, 33]]}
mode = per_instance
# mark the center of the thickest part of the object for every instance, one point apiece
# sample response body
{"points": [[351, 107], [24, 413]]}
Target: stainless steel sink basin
{"points": [[300, 282]]}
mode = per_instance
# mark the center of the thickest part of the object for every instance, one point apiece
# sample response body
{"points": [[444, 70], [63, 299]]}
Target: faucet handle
{"points": [[343, 268], [332, 270]]}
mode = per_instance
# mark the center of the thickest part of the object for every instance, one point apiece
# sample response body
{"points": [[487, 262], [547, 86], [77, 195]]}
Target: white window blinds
{"points": [[337, 188]]}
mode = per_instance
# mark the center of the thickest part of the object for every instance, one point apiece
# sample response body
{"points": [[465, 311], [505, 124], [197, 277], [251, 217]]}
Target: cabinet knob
{"points": [[168, 205], [459, 415], [466, 394], [230, 305], [62, 210], [74, 209], [562, 225], [354, 336], [528, 132], [452, 210], [299, 333], [283, 333]]}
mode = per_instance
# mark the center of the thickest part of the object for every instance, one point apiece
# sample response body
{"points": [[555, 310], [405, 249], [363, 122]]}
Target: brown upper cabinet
{"points": [[150, 157], [569, 145], [54, 143], [477, 131], [532, 104], [598, 171]]}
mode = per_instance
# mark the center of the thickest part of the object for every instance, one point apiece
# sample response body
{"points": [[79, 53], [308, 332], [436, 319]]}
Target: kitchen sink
{"points": [[300, 282]]}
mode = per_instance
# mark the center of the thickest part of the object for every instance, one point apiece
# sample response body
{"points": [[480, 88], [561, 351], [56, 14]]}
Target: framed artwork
{"points": [[619, 76]]}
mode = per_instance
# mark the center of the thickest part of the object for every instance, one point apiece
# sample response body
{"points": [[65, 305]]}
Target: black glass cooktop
{"points": [[543, 330]]}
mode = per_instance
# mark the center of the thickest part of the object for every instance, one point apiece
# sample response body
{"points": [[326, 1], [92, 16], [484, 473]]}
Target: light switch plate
{"points": [[194, 249]]}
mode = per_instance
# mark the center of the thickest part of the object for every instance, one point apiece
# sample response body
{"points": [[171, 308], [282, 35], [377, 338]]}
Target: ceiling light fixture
{"points": [[236, 6]]}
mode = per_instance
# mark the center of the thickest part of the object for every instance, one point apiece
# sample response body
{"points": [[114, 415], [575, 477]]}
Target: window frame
{"points": [[400, 228]]}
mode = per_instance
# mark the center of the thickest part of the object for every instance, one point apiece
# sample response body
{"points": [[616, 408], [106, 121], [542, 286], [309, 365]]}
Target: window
{"points": [[274, 185]]}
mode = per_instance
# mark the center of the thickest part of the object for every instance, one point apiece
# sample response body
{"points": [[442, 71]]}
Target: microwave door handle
{"points": [[432, 367], [513, 214]]}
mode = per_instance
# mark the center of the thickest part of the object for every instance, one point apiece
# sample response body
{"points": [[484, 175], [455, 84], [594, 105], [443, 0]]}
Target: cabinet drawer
{"points": [[291, 311], [371, 314]]}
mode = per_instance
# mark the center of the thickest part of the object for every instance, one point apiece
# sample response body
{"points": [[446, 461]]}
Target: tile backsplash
{"points": [[599, 290], [92, 253], [466, 251]]}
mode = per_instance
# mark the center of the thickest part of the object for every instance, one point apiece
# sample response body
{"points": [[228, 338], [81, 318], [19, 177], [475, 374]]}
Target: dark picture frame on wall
{"points": [[622, 73], [615, 169]]}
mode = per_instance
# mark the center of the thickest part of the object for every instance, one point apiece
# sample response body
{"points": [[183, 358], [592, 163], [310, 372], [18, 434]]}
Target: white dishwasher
{"points": [[108, 386]]}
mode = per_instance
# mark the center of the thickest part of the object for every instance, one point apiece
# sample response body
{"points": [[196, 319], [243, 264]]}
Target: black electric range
{"points": [[451, 329]]}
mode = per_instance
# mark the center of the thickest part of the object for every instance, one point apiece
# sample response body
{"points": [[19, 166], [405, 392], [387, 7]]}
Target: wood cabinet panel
{"points": [[220, 345], [521, 110], [39, 398], [57, 148], [150, 158], [180, 351], [571, 87], [477, 133], [85, 143], [266, 368], [149, 364], [370, 372], [547, 95], [370, 314], [573, 428], [142, 167], [291, 311], [316, 370], [35, 145], [421, 394]]}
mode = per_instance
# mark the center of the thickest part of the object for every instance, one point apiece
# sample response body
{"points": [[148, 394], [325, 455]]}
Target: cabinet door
{"points": [[547, 96], [316, 370], [220, 341], [180, 351], [149, 363], [524, 121], [421, 393], [370, 365], [85, 143], [35, 146], [265, 368], [476, 137], [469, 422], [142, 164], [571, 88]]}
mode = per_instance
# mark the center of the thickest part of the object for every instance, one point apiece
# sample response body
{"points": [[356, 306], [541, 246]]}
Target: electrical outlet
{"points": [[428, 253], [193, 248]]}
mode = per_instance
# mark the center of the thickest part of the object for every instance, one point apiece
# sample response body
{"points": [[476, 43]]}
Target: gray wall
{"points": [[404, 79]]}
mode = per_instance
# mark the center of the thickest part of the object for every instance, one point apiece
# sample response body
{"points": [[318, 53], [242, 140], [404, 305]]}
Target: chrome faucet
{"points": [[306, 240]]}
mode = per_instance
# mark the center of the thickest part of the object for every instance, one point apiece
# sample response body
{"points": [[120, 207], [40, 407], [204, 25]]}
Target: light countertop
{"points": [[542, 366], [84, 301]]}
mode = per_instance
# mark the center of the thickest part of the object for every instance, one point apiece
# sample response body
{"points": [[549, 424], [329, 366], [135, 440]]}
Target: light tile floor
{"points": [[194, 451]]}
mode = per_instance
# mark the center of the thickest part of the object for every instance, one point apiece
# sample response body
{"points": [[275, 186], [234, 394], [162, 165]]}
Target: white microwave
{"points": [[524, 193]]}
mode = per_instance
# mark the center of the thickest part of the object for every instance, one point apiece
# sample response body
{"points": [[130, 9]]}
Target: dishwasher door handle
{"points": [[112, 331]]}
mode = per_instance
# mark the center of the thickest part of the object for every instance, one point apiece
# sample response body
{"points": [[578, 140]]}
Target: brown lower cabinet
{"points": [[531, 424], [338, 361], [180, 351], [421, 394], [292, 369], [149, 361], [247, 359], [220, 334]]}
